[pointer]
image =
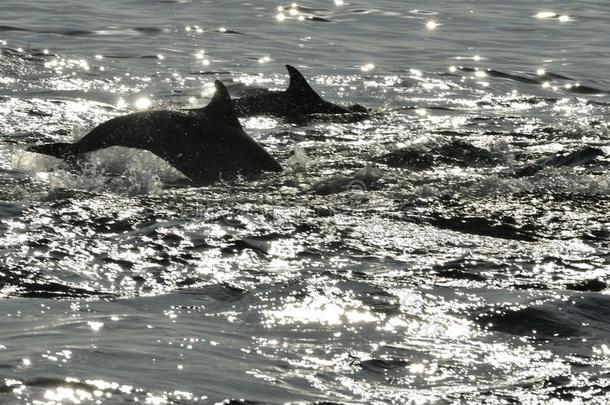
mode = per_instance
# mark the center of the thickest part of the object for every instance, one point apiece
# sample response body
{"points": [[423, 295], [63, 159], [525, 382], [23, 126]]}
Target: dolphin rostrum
{"points": [[204, 144], [298, 99]]}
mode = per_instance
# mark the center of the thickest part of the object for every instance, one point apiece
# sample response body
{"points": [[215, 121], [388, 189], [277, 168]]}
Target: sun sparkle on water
{"points": [[143, 103], [367, 67], [360, 295], [546, 14]]}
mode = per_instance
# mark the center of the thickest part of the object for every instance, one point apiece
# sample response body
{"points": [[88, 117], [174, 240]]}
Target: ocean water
{"points": [[397, 259]]}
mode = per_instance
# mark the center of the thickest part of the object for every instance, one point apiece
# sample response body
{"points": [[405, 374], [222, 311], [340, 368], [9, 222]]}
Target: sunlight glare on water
{"points": [[448, 245]]}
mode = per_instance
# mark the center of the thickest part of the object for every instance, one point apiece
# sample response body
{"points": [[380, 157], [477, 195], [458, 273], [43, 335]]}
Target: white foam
{"points": [[565, 180], [299, 161], [116, 169], [33, 162]]}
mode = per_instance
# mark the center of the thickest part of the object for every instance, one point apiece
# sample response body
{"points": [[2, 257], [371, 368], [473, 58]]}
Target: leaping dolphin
{"points": [[204, 144], [298, 99]]}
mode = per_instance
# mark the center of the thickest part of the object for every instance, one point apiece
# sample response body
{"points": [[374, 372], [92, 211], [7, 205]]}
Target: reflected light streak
{"points": [[322, 310], [96, 326], [67, 394], [546, 14], [422, 112]]}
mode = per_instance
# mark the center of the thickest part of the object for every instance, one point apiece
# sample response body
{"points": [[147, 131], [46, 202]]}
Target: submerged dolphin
{"points": [[579, 157], [204, 144], [297, 100]]}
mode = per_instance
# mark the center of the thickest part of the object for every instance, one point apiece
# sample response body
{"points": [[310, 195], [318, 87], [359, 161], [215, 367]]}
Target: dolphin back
{"points": [[298, 100], [576, 158], [306, 98], [579, 157]]}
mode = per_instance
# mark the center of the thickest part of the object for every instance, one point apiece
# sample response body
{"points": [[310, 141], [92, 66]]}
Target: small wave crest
{"points": [[424, 156], [360, 181], [563, 180]]}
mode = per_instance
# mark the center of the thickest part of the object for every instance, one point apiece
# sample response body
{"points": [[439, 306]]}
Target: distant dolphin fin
{"points": [[221, 105], [572, 159], [298, 85]]}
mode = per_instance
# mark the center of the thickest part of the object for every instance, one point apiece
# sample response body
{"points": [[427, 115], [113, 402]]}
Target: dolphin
{"points": [[298, 99], [205, 144], [578, 157]]}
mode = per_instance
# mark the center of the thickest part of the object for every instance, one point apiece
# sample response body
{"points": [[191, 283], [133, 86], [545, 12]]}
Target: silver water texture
{"points": [[396, 260]]}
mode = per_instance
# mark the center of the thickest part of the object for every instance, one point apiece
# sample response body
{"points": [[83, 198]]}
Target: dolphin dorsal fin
{"points": [[298, 86], [221, 105]]}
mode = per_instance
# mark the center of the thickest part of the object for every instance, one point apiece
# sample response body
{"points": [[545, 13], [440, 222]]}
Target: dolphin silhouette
{"points": [[578, 157], [204, 144], [297, 100]]}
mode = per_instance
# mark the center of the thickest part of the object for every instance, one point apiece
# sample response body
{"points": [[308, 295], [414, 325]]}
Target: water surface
{"points": [[431, 275]]}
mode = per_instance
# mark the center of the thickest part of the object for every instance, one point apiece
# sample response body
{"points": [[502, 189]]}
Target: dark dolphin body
{"points": [[298, 99], [205, 144], [579, 157]]}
